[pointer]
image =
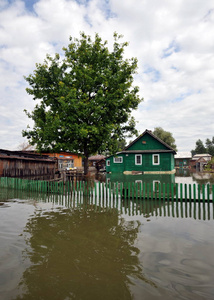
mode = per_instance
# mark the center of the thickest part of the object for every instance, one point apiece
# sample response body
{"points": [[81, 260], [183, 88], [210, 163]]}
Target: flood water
{"points": [[63, 247]]}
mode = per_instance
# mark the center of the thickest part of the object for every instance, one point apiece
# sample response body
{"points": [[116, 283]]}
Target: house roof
{"points": [[183, 155], [126, 151], [96, 157], [145, 151], [24, 155], [170, 149], [202, 155]]}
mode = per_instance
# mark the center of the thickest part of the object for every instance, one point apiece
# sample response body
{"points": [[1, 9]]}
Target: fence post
{"points": [[203, 192], [176, 191], [144, 191], [164, 191], [185, 190], [199, 193], [213, 193], [190, 192], [147, 191], [194, 192], [129, 190], [208, 192]]}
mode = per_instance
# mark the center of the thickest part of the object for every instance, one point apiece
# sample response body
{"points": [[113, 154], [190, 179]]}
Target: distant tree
{"points": [[210, 146], [121, 144], [165, 136], [200, 148], [85, 99], [25, 146], [210, 164]]}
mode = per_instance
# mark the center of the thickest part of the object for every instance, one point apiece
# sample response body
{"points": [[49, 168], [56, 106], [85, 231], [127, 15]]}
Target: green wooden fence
{"points": [[126, 190], [109, 198]]}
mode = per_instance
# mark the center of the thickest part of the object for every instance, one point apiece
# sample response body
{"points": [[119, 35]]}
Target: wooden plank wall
{"points": [[21, 167]]}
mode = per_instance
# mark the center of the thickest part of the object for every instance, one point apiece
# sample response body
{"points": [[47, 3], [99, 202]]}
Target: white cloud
{"points": [[173, 41]]}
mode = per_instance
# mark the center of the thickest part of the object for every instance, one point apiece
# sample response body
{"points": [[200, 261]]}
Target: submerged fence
{"points": [[94, 202], [124, 190]]}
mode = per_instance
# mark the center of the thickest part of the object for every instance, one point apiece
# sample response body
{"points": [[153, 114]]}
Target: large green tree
{"points": [[85, 98], [165, 136]]}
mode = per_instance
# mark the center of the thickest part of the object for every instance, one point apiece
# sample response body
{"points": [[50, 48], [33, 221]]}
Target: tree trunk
{"points": [[85, 162]]}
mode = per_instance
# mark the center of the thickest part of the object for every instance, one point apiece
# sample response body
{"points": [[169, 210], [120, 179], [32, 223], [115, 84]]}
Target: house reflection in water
{"points": [[144, 178]]}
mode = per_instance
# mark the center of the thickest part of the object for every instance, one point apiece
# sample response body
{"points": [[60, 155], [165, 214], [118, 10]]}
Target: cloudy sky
{"points": [[172, 40]]}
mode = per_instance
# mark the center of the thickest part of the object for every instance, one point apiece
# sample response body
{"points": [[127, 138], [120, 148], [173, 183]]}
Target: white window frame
{"points": [[136, 163], [153, 159], [108, 163], [70, 163], [118, 160]]}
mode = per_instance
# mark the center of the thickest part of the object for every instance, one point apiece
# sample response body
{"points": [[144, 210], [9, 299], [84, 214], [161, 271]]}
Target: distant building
{"points": [[66, 160], [25, 163], [93, 160], [199, 161], [182, 159]]}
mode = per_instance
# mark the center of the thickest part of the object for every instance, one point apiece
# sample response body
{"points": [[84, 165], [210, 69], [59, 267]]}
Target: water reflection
{"points": [[84, 248], [147, 178], [80, 254], [189, 177], [181, 176]]}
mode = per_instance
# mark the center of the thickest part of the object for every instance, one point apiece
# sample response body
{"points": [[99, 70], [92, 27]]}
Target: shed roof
{"points": [[24, 155], [96, 157], [202, 155]]}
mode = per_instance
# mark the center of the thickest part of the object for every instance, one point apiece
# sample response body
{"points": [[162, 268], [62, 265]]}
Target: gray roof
{"points": [[146, 151], [96, 157], [202, 155], [183, 155]]}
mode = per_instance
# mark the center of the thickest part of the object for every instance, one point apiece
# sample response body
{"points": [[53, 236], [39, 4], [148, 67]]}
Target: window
{"points": [[60, 164], [155, 159], [70, 163], [66, 164], [138, 159], [118, 160], [108, 163]]}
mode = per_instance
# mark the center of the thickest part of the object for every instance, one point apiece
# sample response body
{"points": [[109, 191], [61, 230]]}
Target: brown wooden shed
{"points": [[25, 163]]}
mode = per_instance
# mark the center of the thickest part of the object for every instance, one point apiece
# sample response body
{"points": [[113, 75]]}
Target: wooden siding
{"points": [[20, 164], [146, 142], [128, 164]]}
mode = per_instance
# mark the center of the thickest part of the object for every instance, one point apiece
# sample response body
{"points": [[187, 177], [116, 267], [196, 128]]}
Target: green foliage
{"points": [[209, 165], [121, 144], [210, 146], [165, 136], [200, 148], [86, 98]]}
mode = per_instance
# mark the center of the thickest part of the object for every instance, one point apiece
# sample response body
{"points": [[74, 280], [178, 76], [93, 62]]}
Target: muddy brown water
{"points": [[61, 247]]}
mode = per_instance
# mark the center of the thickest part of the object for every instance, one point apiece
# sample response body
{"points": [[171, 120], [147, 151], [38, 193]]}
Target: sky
{"points": [[172, 40]]}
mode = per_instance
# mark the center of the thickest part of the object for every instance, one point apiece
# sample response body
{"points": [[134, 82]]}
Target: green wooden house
{"points": [[145, 155]]}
